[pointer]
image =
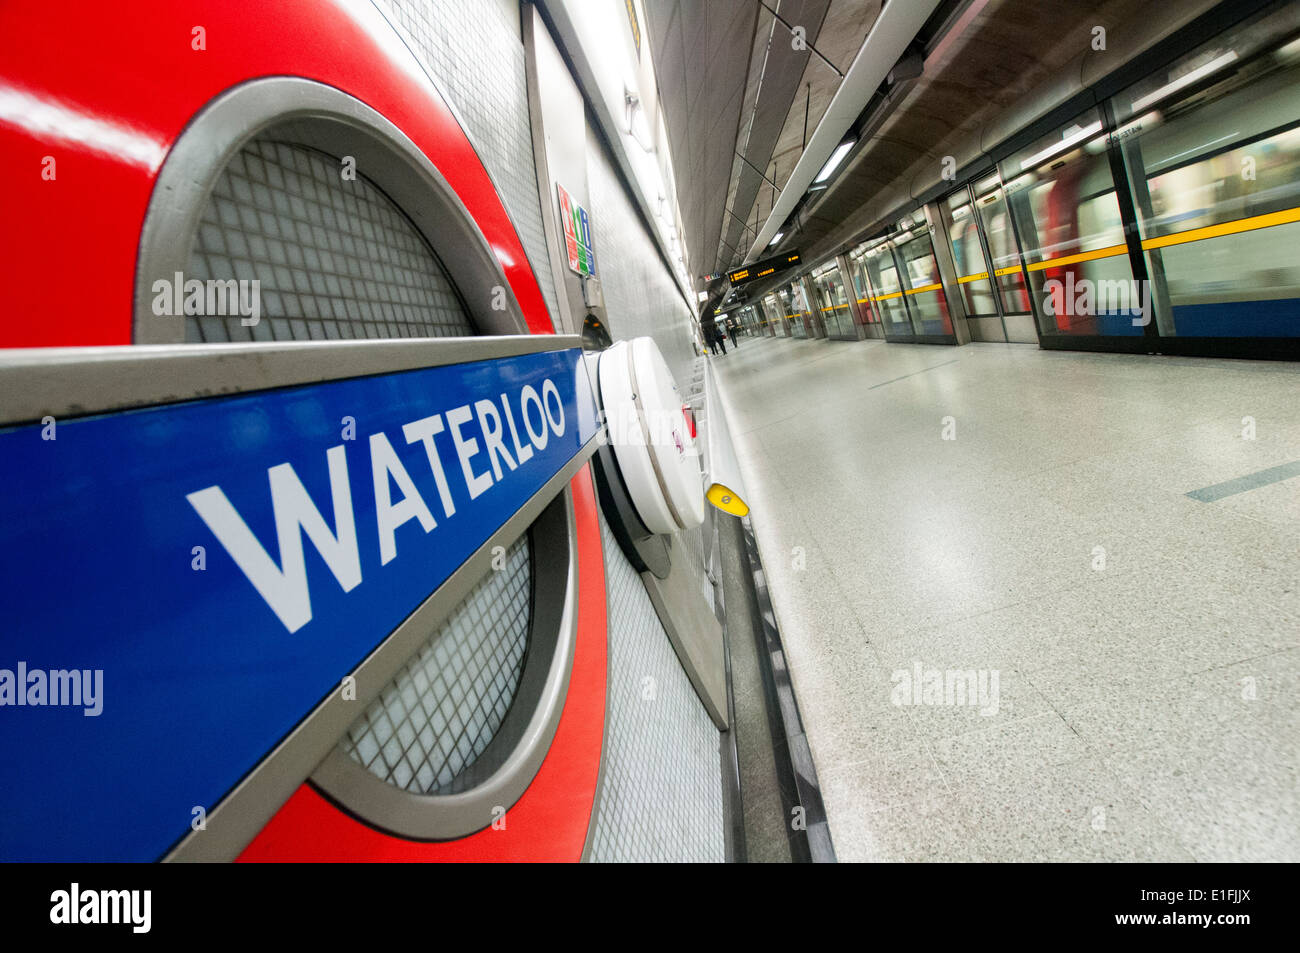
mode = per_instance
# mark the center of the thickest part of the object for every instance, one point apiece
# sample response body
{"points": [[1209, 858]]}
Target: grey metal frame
{"points": [[465, 128], [72, 382], [981, 236], [502, 773], [982, 230], [541, 163], [850, 292], [75, 381], [321, 117], [946, 268], [870, 290]]}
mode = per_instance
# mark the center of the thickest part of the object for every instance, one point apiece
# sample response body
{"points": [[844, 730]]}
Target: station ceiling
{"points": [[740, 101], [737, 96]]}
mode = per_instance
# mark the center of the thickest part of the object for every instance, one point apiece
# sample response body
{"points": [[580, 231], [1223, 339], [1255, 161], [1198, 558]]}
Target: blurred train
{"points": [[1160, 217], [1210, 183]]}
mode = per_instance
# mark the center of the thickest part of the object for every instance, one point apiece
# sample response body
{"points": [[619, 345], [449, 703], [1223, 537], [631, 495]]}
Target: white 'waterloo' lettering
{"points": [[284, 587]]}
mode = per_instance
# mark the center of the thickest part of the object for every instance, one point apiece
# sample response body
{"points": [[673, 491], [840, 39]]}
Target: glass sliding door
{"points": [[1066, 214], [888, 298], [925, 297], [833, 303], [974, 276], [1215, 173], [862, 291], [922, 291], [791, 298], [773, 317], [1007, 263]]}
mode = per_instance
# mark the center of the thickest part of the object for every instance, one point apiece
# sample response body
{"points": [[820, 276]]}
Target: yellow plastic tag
{"points": [[724, 499]]}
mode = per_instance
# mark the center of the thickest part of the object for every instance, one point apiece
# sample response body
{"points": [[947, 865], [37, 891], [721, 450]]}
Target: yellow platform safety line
{"points": [[1284, 217], [1236, 227], [727, 500], [1110, 251]]}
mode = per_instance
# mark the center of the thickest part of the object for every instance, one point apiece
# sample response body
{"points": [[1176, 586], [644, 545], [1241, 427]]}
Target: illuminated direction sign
{"points": [[761, 269], [184, 583]]}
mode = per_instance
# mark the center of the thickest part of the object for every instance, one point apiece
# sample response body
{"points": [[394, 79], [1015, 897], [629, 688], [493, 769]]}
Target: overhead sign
{"points": [[577, 234], [182, 584], [761, 269], [635, 24]]}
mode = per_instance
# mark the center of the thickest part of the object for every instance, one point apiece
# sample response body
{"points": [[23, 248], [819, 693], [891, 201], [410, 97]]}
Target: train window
{"points": [[333, 255], [443, 709], [1214, 172], [1062, 195]]}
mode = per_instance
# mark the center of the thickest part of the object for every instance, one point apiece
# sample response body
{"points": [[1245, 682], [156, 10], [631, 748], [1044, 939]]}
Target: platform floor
{"points": [[1146, 643]]}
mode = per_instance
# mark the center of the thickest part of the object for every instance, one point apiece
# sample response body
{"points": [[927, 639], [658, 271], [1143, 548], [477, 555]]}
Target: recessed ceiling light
{"points": [[833, 162]]}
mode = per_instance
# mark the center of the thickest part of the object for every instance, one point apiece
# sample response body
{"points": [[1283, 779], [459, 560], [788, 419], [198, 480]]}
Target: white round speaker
{"points": [[654, 450]]}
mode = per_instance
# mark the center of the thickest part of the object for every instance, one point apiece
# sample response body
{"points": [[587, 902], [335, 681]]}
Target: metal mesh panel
{"points": [[477, 61], [335, 257], [438, 715], [640, 294], [661, 784]]}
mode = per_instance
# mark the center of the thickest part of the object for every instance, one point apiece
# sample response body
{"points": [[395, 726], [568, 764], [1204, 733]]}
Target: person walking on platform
{"points": [[715, 338], [732, 330]]}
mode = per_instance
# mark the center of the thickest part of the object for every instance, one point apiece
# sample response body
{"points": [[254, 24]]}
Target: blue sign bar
{"points": [[183, 584]]}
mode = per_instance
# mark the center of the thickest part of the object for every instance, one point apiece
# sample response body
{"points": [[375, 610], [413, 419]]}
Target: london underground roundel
{"points": [[117, 102]]}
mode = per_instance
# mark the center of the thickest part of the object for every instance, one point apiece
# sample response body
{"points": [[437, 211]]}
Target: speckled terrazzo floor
{"points": [[1146, 645]]}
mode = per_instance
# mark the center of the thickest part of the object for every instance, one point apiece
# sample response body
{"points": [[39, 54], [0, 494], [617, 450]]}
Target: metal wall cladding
{"points": [[443, 709], [475, 57], [661, 785], [334, 256], [641, 297]]}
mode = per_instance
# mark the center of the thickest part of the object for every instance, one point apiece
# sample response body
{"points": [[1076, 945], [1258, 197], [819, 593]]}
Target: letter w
{"points": [[285, 589]]}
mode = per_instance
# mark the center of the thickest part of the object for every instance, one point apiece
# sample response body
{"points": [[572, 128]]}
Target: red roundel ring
{"points": [[93, 98], [549, 822], [106, 91]]}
